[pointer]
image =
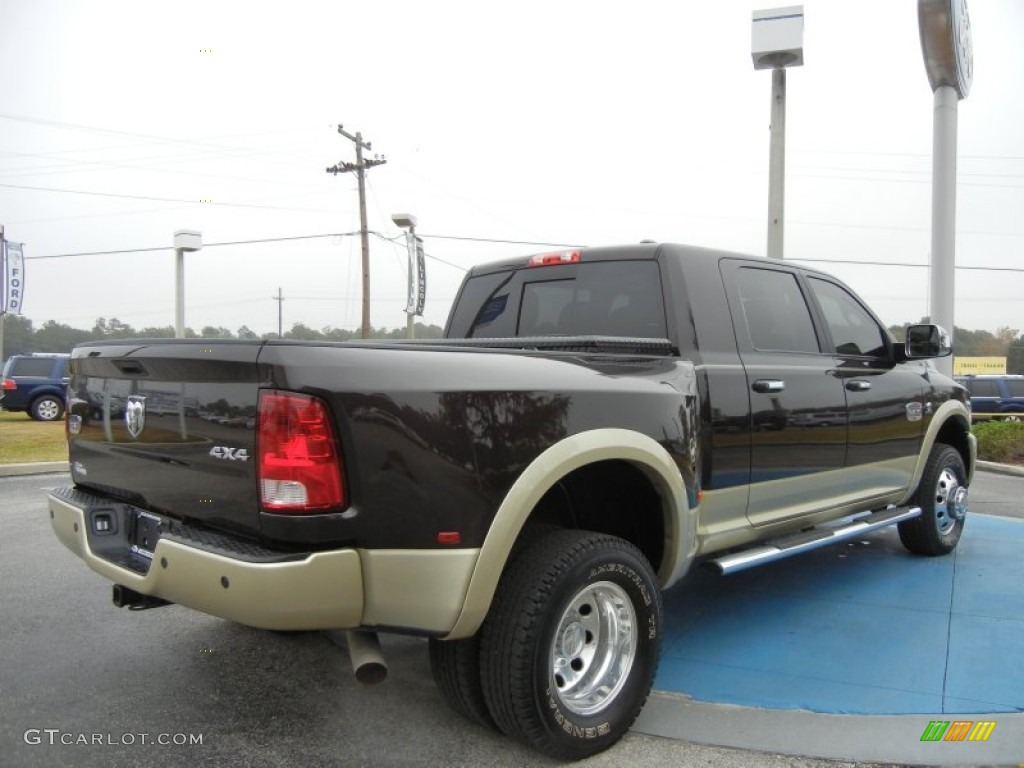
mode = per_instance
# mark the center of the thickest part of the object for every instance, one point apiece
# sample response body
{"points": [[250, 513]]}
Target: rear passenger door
{"points": [[798, 405]]}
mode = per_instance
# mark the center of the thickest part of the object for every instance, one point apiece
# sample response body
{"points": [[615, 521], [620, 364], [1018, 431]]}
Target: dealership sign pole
{"points": [[949, 60]]}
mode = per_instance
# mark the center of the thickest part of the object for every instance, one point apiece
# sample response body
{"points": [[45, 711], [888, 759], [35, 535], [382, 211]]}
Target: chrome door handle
{"points": [[768, 386], [858, 385]]}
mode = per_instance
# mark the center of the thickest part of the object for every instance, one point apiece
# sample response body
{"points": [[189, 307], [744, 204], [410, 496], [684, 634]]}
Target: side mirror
{"points": [[927, 341]]}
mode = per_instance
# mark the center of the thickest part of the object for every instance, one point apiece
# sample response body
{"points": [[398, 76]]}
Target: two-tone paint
{"points": [[449, 449]]}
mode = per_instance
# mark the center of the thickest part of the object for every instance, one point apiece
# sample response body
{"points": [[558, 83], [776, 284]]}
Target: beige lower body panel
{"points": [[338, 589], [799, 503], [421, 589]]}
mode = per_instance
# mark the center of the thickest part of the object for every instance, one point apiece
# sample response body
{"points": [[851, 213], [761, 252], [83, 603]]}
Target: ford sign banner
{"points": [[14, 278]]}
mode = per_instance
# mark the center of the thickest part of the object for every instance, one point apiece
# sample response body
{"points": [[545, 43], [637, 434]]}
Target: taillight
{"points": [[551, 259], [10, 384], [299, 466]]}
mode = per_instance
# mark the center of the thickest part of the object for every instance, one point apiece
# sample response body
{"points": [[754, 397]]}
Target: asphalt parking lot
{"points": [[173, 687]]}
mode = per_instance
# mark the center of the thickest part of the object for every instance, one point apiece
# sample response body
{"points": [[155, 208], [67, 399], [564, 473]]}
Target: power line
{"points": [[256, 241], [509, 242], [907, 264], [205, 245], [163, 199]]}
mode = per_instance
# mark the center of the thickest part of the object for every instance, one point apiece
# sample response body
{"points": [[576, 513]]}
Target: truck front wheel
{"points": [[571, 643], [942, 496]]}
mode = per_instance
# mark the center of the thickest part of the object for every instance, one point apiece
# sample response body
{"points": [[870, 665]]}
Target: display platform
{"points": [[861, 628]]}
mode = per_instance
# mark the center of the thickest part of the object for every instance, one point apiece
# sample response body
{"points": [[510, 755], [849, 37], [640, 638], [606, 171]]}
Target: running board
{"points": [[804, 542]]}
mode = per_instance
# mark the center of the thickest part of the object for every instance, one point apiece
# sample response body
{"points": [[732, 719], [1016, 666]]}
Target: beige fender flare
{"points": [[948, 411], [544, 472]]}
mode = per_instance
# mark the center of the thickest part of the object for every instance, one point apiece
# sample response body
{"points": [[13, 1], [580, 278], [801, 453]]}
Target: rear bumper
{"points": [[419, 591], [313, 591]]}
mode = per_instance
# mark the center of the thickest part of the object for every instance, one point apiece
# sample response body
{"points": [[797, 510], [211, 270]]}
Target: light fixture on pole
{"points": [[777, 42], [184, 240], [416, 274]]}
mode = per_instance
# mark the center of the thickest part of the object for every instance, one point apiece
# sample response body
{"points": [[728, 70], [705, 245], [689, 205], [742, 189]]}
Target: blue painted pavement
{"points": [[863, 627]]}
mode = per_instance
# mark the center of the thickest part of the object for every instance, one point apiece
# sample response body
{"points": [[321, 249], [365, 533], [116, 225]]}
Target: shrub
{"points": [[1001, 441]]}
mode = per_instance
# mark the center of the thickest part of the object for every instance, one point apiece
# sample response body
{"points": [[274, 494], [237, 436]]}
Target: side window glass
{"points": [[983, 388], [1015, 387], [775, 311], [853, 330], [33, 366]]}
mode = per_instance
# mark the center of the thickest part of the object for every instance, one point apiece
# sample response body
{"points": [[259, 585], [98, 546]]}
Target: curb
{"points": [[35, 468], [1001, 469]]}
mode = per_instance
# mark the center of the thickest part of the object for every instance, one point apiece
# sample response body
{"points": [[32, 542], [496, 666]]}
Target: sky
{"points": [[555, 122]]}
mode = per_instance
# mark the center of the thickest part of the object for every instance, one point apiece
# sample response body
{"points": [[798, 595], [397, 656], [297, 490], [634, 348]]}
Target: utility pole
{"points": [[360, 167], [280, 304]]}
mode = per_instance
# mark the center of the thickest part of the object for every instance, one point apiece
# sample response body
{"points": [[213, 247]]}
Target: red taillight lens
{"points": [[551, 259], [300, 469], [10, 384]]}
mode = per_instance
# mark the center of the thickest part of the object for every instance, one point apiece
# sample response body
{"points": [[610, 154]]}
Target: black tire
{"points": [[942, 496], [551, 677], [455, 665], [47, 408]]}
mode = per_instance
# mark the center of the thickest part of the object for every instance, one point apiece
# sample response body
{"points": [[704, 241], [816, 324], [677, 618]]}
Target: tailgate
{"points": [[170, 426]]}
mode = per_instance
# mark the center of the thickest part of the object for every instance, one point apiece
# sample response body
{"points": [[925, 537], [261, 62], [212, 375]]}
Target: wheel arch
{"points": [[950, 425], [591, 450]]}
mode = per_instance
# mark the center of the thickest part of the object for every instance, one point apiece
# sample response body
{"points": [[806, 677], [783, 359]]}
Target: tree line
{"points": [[22, 338]]}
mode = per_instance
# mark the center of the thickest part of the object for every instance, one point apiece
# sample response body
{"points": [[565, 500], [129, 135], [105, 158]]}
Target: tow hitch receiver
{"points": [[135, 601]]}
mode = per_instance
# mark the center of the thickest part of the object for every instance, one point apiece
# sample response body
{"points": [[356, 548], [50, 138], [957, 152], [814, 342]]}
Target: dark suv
{"points": [[994, 396], [36, 384]]}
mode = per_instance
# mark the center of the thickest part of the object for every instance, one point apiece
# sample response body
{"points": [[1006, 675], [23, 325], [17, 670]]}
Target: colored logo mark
{"points": [[958, 730]]}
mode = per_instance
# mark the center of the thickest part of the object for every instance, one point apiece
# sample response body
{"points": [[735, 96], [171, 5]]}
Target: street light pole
{"points": [[408, 221], [777, 39], [777, 166]]}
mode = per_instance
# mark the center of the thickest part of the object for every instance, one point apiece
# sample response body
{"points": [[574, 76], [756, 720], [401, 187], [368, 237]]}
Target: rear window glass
{"points": [[33, 366], [602, 298]]}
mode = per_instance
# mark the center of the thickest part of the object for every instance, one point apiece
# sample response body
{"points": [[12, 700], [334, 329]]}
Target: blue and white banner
{"points": [[417, 275], [13, 278]]}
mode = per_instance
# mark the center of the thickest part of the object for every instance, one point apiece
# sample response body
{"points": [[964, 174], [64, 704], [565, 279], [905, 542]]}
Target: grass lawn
{"points": [[23, 439]]}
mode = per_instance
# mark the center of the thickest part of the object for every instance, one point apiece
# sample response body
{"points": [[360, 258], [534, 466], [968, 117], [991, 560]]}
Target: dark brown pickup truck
{"points": [[595, 423]]}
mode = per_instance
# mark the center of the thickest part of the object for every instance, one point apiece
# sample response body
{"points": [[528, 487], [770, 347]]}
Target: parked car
{"points": [[35, 384], [996, 396]]}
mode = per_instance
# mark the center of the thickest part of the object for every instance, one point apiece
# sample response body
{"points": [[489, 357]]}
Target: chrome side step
{"points": [[803, 542]]}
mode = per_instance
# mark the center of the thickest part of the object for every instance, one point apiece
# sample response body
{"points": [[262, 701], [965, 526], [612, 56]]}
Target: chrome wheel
{"points": [[950, 501], [593, 648]]}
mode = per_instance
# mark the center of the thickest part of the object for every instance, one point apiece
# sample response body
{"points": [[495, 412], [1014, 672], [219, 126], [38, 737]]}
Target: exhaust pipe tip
{"points": [[368, 663]]}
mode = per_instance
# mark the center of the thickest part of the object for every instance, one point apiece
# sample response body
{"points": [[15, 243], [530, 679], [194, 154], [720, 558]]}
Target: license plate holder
{"points": [[145, 533]]}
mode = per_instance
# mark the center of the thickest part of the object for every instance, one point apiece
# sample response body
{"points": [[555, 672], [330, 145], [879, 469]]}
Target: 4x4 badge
{"points": [[135, 415]]}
